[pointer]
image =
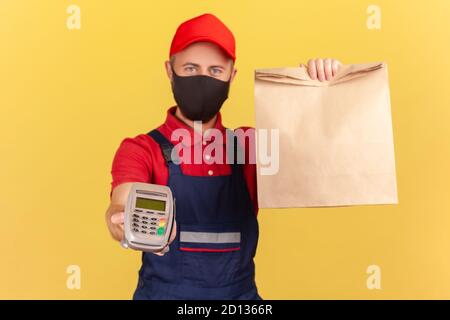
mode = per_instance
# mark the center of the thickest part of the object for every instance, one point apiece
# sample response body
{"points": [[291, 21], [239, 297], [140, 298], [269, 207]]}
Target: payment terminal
{"points": [[149, 217]]}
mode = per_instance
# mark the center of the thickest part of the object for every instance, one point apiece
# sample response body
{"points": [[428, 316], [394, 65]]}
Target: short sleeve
{"points": [[132, 162]]}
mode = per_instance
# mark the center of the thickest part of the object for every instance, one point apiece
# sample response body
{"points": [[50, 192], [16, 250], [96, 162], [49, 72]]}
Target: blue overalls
{"points": [[217, 235]]}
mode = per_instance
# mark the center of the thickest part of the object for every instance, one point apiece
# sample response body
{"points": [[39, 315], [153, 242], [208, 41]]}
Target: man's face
{"points": [[202, 58]]}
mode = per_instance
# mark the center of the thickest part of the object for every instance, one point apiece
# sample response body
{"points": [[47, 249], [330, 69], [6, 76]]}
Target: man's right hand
{"points": [[116, 213], [114, 220]]}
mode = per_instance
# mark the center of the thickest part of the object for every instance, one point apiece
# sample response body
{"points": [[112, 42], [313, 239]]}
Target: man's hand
{"points": [[322, 69], [115, 215], [114, 221]]}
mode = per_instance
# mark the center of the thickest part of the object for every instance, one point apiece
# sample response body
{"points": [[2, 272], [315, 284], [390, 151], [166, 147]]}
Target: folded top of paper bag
{"points": [[300, 76]]}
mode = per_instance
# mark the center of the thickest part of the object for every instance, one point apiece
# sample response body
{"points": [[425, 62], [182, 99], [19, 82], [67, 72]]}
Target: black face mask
{"points": [[199, 97]]}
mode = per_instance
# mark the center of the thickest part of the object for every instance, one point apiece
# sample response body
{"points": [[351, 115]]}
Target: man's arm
{"points": [[130, 164]]}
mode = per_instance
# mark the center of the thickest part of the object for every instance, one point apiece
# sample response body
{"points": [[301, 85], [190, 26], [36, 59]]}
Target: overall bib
{"points": [[217, 235]]}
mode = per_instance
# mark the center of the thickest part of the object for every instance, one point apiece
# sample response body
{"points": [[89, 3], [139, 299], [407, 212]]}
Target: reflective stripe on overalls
{"points": [[217, 234]]}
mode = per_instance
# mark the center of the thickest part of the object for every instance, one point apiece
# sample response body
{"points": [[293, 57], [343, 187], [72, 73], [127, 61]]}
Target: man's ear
{"points": [[233, 74], [168, 70]]}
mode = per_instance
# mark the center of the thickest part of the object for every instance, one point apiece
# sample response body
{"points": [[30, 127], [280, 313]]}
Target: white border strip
{"points": [[210, 237]]}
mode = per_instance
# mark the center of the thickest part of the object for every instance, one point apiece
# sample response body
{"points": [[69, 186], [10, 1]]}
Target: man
{"points": [[212, 197]]}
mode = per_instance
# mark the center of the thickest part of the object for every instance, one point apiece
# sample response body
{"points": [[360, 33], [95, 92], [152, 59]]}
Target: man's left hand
{"points": [[322, 69]]}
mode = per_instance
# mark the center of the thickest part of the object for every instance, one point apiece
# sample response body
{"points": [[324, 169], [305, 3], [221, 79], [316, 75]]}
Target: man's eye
{"points": [[189, 69], [216, 71]]}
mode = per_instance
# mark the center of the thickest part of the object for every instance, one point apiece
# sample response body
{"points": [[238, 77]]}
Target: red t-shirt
{"points": [[140, 159]]}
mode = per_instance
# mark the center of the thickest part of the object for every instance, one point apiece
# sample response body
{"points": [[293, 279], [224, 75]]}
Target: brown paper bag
{"points": [[335, 137]]}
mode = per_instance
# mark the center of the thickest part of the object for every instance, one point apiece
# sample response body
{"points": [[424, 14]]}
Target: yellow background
{"points": [[68, 97]]}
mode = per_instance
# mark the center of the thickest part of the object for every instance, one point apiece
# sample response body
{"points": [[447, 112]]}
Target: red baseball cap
{"points": [[206, 27]]}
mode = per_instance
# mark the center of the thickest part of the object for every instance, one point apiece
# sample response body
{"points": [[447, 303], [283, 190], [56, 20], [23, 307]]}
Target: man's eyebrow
{"points": [[197, 65], [191, 63], [217, 66]]}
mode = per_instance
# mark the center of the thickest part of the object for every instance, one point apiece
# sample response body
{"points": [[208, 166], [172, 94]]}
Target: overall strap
{"points": [[166, 149], [235, 154]]}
